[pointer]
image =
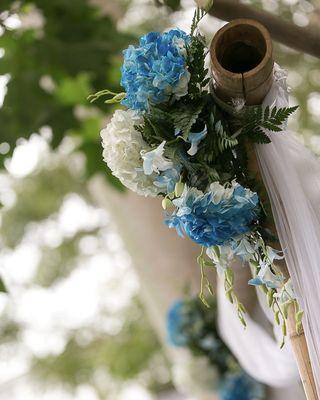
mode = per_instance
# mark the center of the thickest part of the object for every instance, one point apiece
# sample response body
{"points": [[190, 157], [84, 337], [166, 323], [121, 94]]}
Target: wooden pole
{"points": [[242, 66], [303, 39]]}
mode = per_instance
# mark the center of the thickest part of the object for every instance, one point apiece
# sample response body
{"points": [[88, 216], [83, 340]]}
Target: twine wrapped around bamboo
{"points": [[242, 66]]}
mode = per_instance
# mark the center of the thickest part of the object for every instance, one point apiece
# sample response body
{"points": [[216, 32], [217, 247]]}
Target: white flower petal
{"points": [[122, 146]]}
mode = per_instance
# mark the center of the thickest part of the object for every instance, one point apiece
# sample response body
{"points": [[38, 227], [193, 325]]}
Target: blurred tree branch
{"points": [[306, 40]]}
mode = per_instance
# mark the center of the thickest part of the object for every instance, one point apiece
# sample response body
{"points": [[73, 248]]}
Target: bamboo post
{"points": [[242, 66]]}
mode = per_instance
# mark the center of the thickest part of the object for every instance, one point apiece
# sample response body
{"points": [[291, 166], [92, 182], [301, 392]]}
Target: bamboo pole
{"points": [[242, 66], [303, 39]]}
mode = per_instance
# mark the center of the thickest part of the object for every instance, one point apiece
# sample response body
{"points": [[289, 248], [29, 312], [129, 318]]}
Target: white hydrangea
{"points": [[194, 375], [122, 145]]}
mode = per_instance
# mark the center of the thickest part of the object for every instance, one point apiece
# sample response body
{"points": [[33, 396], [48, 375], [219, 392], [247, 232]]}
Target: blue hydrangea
{"points": [[241, 386], [176, 320], [156, 69], [215, 217]]}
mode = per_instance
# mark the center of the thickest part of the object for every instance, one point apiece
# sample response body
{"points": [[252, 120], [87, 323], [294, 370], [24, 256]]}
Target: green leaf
{"points": [[197, 17], [218, 139], [184, 117], [3, 288], [173, 4], [196, 54], [116, 97], [74, 91], [259, 136], [89, 130], [256, 118]]}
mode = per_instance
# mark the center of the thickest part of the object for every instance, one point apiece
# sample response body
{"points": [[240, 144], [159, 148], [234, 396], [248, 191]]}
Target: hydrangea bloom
{"points": [[215, 217], [241, 387], [156, 69], [123, 149]]}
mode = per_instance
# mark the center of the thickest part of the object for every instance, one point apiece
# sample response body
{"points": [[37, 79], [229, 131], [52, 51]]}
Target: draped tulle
{"points": [[291, 174]]}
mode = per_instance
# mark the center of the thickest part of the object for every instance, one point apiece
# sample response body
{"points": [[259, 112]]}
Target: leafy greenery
{"points": [[184, 116], [220, 139], [197, 17], [222, 154], [174, 5], [3, 288], [52, 70], [116, 97], [199, 79], [256, 118]]}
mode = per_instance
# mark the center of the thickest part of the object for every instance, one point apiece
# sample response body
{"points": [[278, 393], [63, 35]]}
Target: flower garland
{"points": [[175, 140], [192, 326]]}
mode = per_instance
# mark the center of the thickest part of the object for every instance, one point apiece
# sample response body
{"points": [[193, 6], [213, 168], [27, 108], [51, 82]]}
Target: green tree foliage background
{"points": [[79, 49]]}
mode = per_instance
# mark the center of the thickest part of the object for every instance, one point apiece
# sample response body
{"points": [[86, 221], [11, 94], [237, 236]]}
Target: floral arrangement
{"points": [[174, 139], [192, 326]]}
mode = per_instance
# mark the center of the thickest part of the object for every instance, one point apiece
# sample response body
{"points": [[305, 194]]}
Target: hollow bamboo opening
{"points": [[242, 63]]}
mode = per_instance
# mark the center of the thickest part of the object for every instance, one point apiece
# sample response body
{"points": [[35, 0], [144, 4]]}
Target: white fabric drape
{"points": [[256, 349], [291, 174]]}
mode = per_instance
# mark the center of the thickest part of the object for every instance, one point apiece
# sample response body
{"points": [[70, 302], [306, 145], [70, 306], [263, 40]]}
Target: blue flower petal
{"points": [[155, 70], [195, 138], [211, 224], [240, 386]]}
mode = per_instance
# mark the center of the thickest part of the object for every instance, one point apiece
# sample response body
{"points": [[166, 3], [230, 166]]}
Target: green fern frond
{"points": [[197, 17], [272, 119], [184, 116]]}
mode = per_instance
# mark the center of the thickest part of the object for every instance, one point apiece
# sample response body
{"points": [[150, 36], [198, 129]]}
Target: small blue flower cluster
{"points": [[209, 222], [194, 327], [156, 69], [176, 320], [241, 386]]}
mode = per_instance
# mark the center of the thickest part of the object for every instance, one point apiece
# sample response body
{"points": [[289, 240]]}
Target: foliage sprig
{"points": [[257, 118]]}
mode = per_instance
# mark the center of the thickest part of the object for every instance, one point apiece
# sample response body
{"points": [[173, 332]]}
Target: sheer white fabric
{"points": [[291, 174], [256, 349]]}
